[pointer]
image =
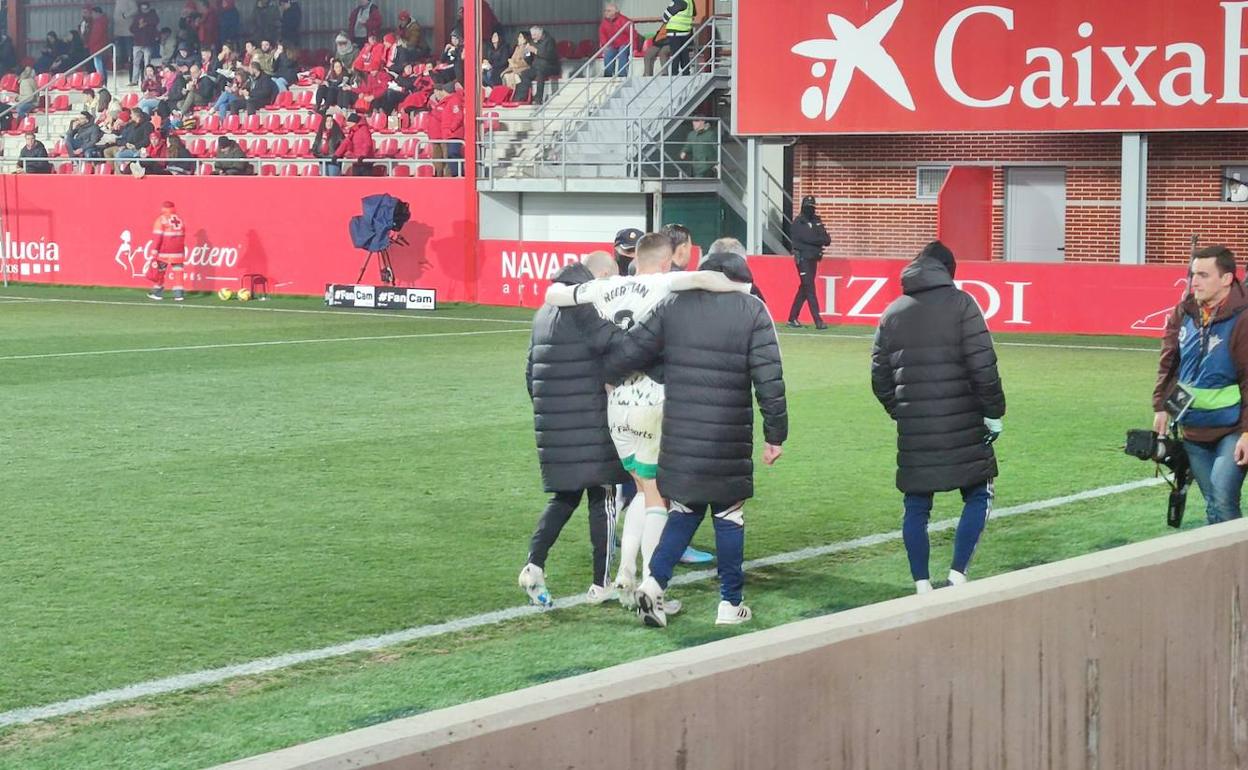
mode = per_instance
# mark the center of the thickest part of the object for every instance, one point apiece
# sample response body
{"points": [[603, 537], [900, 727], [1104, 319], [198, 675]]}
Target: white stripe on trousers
{"points": [[612, 512]]}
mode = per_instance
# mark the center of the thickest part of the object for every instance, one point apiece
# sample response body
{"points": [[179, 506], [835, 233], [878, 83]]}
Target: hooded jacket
{"points": [[1188, 311], [715, 347], [808, 234], [566, 380], [934, 369]]}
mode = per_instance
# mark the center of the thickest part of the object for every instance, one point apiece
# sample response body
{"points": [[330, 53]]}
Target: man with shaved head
{"points": [[565, 376]]}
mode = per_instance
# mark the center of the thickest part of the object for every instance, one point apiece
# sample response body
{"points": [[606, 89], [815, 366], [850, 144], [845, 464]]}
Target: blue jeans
{"points": [[615, 60], [976, 505], [147, 105], [99, 66], [682, 522], [1217, 475], [225, 102], [282, 85]]}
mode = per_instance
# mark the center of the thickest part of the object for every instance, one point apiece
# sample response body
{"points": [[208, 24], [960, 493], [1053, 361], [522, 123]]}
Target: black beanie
{"points": [[941, 253]]}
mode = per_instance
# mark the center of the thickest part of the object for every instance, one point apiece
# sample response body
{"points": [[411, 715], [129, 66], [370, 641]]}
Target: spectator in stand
{"points": [[156, 151], [364, 22], [543, 58], [410, 31], [260, 92], [75, 51], [188, 26], [231, 160], [198, 90], [292, 22], [266, 22], [97, 38], [422, 90], [452, 58], [175, 151], [701, 150], [249, 50], [678, 21], [53, 50], [494, 61], [90, 102], [26, 90], [166, 46], [230, 27], [325, 144], [133, 137], [209, 25], [618, 30], [345, 51], [8, 54], [32, 151], [446, 123], [184, 58], [152, 88], [264, 56], [329, 92], [111, 128], [285, 67], [124, 12], [518, 63], [397, 92], [82, 136], [145, 29], [105, 105], [357, 146], [229, 99], [372, 57], [178, 81]]}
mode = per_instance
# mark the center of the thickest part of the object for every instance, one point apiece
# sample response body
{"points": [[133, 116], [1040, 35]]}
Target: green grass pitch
{"points": [[179, 496]]}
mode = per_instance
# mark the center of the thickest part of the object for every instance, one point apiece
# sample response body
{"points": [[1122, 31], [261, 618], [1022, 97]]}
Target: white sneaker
{"points": [[650, 603], [625, 586], [672, 606], [598, 595], [956, 578], [533, 581], [154, 295], [922, 586], [728, 615]]}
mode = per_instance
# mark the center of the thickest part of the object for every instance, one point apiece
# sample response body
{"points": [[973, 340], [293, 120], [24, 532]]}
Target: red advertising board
{"points": [[922, 66], [1015, 297], [96, 230]]}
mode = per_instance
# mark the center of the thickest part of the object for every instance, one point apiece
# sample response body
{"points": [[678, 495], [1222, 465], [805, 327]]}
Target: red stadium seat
{"points": [[130, 101], [407, 150], [95, 80], [42, 80], [314, 122], [304, 100], [9, 83], [27, 125], [262, 149], [490, 122], [197, 147], [420, 124], [386, 148], [566, 49], [268, 169], [290, 169], [424, 169], [252, 124], [303, 148], [284, 101], [58, 150], [78, 81], [103, 169], [205, 169], [232, 124], [312, 169], [379, 123], [497, 95], [65, 168], [280, 147], [293, 124], [275, 124], [402, 169], [424, 151], [59, 104], [586, 49], [211, 124], [87, 168]]}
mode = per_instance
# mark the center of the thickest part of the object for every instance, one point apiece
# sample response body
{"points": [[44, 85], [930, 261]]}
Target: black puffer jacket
{"points": [[714, 346], [566, 381], [935, 371]]}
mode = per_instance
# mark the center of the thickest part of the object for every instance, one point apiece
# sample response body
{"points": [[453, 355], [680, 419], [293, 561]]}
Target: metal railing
{"points": [[56, 82], [628, 150], [580, 73], [777, 201], [706, 48]]}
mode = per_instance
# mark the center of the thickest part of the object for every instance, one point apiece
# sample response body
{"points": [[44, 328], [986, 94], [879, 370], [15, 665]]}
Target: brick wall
{"points": [[865, 187]]}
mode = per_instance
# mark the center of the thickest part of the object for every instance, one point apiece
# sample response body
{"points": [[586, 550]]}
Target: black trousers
{"points": [[680, 52], [538, 72], [806, 270], [601, 527]]}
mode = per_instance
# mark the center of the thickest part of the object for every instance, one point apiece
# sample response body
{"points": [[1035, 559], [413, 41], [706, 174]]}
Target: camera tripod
{"points": [[383, 260]]}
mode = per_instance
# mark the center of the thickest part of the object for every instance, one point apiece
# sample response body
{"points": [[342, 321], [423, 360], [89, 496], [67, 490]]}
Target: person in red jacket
{"points": [[618, 30], [357, 146], [365, 22], [446, 123], [169, 248], [209, 25], [97, 36]]}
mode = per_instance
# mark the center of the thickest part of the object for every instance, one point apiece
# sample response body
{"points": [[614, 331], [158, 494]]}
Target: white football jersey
{"points": [[626, 300]]}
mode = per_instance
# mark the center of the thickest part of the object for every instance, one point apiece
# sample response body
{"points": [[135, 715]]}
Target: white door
{"points": [[1035, 214]]}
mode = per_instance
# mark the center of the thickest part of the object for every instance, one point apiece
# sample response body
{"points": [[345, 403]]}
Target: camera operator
{"points": [[1205, 349]]}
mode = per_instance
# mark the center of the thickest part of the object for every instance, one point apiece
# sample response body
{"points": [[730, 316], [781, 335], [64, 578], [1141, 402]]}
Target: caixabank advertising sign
{"points": [[922, 66]]}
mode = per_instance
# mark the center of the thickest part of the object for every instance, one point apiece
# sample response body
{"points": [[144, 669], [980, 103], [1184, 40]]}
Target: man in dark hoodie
{"points": [[809, 239], [714, 346], [1205, 350], [934, 369], [567, 383]]}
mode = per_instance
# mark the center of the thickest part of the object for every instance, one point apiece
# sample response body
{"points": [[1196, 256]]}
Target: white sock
{"points": [[922, 586], [956, 578], [656, 520], [630, 541]]}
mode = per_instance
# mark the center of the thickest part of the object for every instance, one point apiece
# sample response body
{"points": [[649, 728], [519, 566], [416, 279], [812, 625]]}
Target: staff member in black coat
{"points": [[543, 57], [714, 347], [809, 239], [567, 383], [934, 369]]}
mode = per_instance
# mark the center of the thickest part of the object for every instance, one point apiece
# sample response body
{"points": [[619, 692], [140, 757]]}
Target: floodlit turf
{"points": [[168, 511]]}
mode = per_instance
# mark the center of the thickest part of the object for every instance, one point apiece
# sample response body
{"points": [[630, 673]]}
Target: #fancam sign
{"points": [[877, 66], [380, 297]]}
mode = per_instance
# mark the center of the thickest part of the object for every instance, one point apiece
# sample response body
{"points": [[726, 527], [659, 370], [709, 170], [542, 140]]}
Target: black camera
{"points": [[1168, 452]]}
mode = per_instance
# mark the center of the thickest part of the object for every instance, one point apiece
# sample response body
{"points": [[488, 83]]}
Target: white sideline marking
{"points": [[24, 716], [217, 346], [997, 343], [362, 313]]}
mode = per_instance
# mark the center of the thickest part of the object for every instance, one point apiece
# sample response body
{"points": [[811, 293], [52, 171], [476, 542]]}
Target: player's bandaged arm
{"points": [[707, 280]]}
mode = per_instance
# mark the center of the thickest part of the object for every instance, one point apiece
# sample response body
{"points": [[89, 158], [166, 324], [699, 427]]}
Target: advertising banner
{"points": [[923, 66], [97, 230]]}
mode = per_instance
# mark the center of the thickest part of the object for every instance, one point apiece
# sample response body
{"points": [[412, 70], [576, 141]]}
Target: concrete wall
{"points": [[1131, 659]]}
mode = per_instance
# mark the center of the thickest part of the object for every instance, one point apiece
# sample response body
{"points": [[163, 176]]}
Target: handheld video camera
{"points": [[1167, 452]]}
